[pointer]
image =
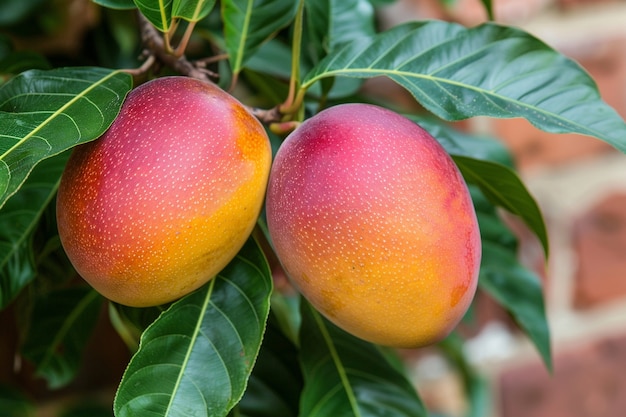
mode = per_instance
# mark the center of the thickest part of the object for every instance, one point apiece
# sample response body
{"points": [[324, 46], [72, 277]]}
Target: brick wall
{"points": [[580, 184]]}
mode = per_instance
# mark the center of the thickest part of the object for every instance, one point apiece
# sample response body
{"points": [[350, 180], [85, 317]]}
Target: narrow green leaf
{"points": [[192, 10], [250, 23], [195, 359], [345, 376], [487, 70], [489, 9], [60, 327], [117, 4], [43, 113], [519, 291], [502, 186], [158, 12], [18, 221]]}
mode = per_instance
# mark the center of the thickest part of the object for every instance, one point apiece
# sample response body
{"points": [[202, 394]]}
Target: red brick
{"points": [[473, 12], [572, 4], [588, 381], [599, 239]]}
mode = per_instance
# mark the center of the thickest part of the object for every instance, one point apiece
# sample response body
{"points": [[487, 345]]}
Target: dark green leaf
{"points": [[13, 11], [158, 12], [504, 188], [43, 113], [345, 376], [250, 23], [18, 61], [195, 359], [192, 10], [519, 291], [489, 8], [270, 59], [14, 403], [117, 4], [88, 410], [18, 220], [276, 381], [458, 143], [60, 327], [130, 322], [487, 70]]}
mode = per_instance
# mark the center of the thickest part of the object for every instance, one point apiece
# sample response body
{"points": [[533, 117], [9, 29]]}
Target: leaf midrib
{"points": [[196, 333], [354, 72], [338, 364]]}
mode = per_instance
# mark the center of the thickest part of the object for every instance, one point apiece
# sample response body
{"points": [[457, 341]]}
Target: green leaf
{"points": [[502, 186], [250, 23], [117, 4], [519, 291], [14, 403], [458, 143], [18, 220], [192, 10], [195, 359], [60, 327], [158, 12], [345, 376], [88, 409], [43, 113], [276, 381], [487, 70], [12, 12], [489, 9], [18, 61], [331, 23]]}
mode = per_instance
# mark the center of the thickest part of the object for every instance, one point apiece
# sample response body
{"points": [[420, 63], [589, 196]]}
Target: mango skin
{"points": [[374, 225], [159, 204]]}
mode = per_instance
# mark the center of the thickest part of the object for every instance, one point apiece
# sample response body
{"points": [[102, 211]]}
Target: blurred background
{"points": [[579, 182], [580, 185]]}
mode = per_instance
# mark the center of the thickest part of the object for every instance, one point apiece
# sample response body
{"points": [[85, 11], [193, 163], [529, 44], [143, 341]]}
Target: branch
{"points": [[157, 54], [153, 41]]}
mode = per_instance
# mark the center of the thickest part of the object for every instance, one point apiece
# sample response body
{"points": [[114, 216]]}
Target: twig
{"points": [[157, 54], [266, 116], [155, 45]]}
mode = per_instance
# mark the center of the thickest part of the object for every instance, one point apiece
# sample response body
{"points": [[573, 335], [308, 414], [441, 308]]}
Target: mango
{"points": [[374, 225], [160, 203]]}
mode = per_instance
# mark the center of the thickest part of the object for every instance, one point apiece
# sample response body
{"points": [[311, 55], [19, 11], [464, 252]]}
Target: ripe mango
{"points": [[374, 225], [161, 202]]}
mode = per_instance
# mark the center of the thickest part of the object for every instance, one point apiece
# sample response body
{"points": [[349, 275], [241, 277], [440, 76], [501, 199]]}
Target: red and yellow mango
{"points": [[167, 196], [374, 225]]}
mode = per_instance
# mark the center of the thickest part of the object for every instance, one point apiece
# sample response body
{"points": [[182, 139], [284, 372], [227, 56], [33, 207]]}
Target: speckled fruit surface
{"points": [[374, 224], [167, 196]]}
